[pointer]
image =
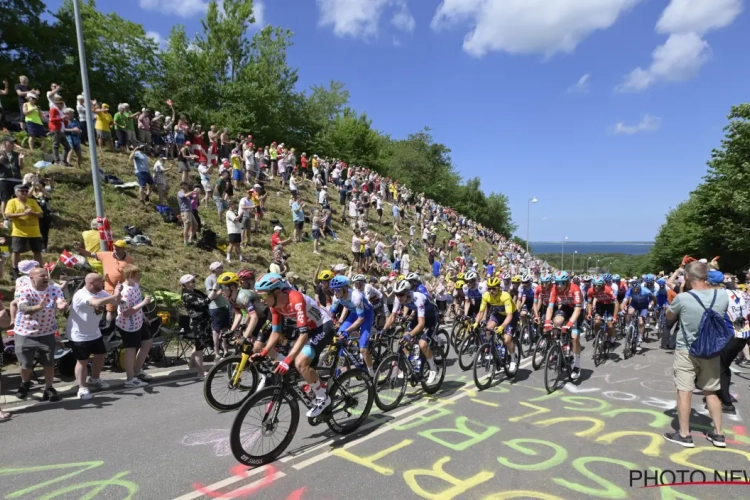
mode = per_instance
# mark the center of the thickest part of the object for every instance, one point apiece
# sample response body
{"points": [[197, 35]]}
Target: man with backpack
{"points": [[702, 334]]}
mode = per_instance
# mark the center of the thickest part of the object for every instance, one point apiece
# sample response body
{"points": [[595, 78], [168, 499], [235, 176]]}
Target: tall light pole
{"points": [[599, 271], [89, 114], [587, 264], [528, 220], [574, 261], [562, 255]]}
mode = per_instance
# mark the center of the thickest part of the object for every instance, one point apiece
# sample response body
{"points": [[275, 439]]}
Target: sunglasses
{"points": [[493, 290]]}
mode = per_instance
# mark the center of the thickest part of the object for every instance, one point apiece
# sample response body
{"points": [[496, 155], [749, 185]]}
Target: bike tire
{"points": [[339, 385], [540, 352], [628, 351], [379, 350], [443, 339], [222, 367], [235, 434], [506, 361], [439, 358], [467, 352], [554, 359], [390, 367], [600, 347], [457, 336], [484, 352]]}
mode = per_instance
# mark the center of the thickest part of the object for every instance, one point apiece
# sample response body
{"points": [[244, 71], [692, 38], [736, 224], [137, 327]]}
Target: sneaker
{"points": [[513, 366], [638, 348], [23, 391], [143, 375], [320, 406], [84, 393], [50, 394], [716, 439], [262, 383], [576, 373], [134, 383], [431, 376], [98, 383], [675, 437]]}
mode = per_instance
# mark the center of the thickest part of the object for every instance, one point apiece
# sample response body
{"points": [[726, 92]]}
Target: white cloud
{"points": [[259, 11], [581, 86], [649, 123], [529, 26], [685, 51], [361, 18], [181, 8], [155, 36]]}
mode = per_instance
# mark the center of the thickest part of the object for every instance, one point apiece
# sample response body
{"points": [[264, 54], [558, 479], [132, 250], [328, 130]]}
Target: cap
{"points": [[157, 114], [19, 187], [715, 277], [278, 228], [187, 278], [339, 267], [256, 186], [121, 244], [26, 266], [187, 143], [79, 97], [105, 106], [215, 265], [30, 95], [292, 274]]}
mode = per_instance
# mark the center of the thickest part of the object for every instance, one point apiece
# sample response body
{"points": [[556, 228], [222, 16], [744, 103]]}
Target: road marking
{"points": [[223, 483], [247, 490]]}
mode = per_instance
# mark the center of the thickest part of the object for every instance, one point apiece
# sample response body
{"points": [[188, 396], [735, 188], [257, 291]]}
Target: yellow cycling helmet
{"points": [[515, 279], [325, 275], [493, 282], [401, 277], [228, 278], [460, 276], [460, 284]]}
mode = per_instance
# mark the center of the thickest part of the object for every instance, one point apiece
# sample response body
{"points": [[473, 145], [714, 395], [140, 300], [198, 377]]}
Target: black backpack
{"points": [[207, 241], [132, 231]]}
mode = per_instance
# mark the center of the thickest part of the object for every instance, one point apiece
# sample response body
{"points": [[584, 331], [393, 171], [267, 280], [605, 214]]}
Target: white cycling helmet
{"points": [[471, 275], [413, 277], [359, 278], [402, 286], [526, 277]]}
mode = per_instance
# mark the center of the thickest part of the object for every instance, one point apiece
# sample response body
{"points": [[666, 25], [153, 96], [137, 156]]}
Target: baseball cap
{"points": [[278, 228], [214, 266], [79, 97], [186, 278], [19, 187], [256, 186], [26, 266], [339, 267], [121, 243]]}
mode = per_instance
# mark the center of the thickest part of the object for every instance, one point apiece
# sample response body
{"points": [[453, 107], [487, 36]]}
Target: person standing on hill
{"points": [[11, 164], [142, 173], [24, 214]]}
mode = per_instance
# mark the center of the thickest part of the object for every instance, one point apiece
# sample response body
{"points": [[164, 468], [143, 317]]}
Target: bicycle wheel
{"points": [[484, 366], [553, 368], [269, 412], [629, 350], [507, 358], [219, 389], [467, 351], [442, 338], [458, 335], [389, 388], [438, 357], [540, 352], [351, 395], [600, 347], [379, 350]]}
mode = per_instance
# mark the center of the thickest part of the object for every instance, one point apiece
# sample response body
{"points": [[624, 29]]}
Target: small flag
{"points": [[169, 102], [68, 259]]}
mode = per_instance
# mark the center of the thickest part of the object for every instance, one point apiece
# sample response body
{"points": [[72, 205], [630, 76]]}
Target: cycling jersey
{"points": [[501, 303], [571, 297], [373, 294], [639, 300], [419, 303], [662, 298], [527, 292], [474, 295], [359, 307], [304, 310], [248, 300], [621, 291], [542, 295], [603, 295], [354, 301], [736, 314]]}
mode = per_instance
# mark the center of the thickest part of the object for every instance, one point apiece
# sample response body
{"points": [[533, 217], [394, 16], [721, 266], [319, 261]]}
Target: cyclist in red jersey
{"points": [[567, 297], [314, 328], [602, 302]]}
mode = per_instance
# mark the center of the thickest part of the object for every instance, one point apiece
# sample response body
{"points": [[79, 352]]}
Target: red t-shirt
{"points": [[275, 240], [303, 160], [55, 119]]}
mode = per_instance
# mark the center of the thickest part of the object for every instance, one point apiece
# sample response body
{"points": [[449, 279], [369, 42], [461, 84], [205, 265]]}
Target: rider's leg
{"points": [[364, 341]]}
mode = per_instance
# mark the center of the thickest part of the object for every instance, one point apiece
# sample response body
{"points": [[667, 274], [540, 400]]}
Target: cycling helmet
{"points": [[545, 278], [598, 281], [471, 276], [228, 278], [635, 282], [402, 286], [270, 282], [400, 277], [374, 279], [339, 282], [359, 278], [246, 275], [325, 275], [526, 277], [588, 278], [616, 278], [413, 277], [515, 279], [561, 277], [661, 282], [607, 277], [493, 282], [577, 280], [460, 276], [460, 283], [506, 276], [649, 279]]}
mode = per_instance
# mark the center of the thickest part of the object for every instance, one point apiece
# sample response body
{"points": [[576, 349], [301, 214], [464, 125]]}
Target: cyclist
{"points": [[458, 298], [661, 296], [416, 284], [322, 290], [375, 296], [586, 285], [619, 286], [638, 300], [356, 312], [505, 276], [425, 324], [472, 294], [515, 283], [497, 304], [314, 329], [567, 296], [542, 295], [525, 301], [602, 302]]}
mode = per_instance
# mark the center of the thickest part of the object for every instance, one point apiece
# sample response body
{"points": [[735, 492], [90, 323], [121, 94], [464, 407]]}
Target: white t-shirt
{"points": [[356, 245], [352, 209], [233, 226], [292, 184], [322, 197], [246, 202], [83, 323]]}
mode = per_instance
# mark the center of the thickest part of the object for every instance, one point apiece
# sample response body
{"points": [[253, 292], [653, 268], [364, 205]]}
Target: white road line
{"points": [[223, 483]]}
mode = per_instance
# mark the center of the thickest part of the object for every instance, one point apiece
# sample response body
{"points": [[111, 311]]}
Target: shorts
{"points": [[182, 166], [430, 326], [566, 312], [84, 349], [380, 212], [19, 244], [220, 319], [132, 340], [298, 225], [234, 238], [364, 329], [28, 347], [144, 179], [247, 221], [318, 339], [156, 139], [499, 319], [103, 135], [221, 205], [236, 174], [691, 372], [35, 130], [144, 136], [357, 256], [180, 141], [606, 311], [316, 234], [293, 193], [122, 137], [188, 220], [131, 135], [642, 312]]}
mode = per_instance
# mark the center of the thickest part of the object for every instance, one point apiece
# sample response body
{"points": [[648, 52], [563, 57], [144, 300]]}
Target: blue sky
{"points": [[605, 110]]}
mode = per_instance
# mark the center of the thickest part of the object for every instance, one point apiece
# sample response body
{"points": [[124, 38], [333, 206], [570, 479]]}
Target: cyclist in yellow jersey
{"points": [[498, 305]]}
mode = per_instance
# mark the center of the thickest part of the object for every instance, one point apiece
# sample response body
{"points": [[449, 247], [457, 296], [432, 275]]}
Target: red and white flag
{"points": [[68, 259]]}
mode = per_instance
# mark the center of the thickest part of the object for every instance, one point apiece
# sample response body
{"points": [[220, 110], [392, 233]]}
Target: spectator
{"points": [[259, 198], [144, 127], [130, 118], [4, 324], [72, 129], [691, 372], [82, 329], [41, 195], [276, 238], [195, 203], [23, 91], [196, 304], [11, 164], [145, 181], [83, 122], [35, 328], [113, 264], [226, 143], [91, 243], [184, 159], [189, 224], [291, 278], [234, 231], [56, 119], [157, 124], [203, 171], [53, 94], [298, 217], [246, 210], [103, 127], [160, 178], [316, 232], [323, 197], [221, 194], [33, 117], [132, 325], [293, 188], [353, 212], [121, 127], [24, 214], [218, 309]]}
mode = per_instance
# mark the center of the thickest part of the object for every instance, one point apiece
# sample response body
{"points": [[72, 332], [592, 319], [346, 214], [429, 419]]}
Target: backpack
{"points": [[132, 231], [167, 214], [207, 241], [713, 333]]}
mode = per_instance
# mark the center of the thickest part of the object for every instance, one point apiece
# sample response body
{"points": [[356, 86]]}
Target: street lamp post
{"points": [[599, 271], [562, 255], [587, 264], [528, 220], [574, 261]]}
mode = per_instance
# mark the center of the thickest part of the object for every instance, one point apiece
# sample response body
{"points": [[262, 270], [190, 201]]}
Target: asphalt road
{"points": [[593, 439]]}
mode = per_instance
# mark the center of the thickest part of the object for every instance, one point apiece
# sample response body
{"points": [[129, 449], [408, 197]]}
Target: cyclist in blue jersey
{"points": [[356, 312], [472, 295], [425, 324], [416, 285], [617, 285], [638, 300], [526, 293]]}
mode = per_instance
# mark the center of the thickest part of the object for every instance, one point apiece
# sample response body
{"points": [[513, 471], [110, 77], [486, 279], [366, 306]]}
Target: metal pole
{"points": [[89, 122], [528, 223], [562, 256]]}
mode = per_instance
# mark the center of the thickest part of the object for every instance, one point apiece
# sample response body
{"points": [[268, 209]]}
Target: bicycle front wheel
{"points": [[390, 382], [264, 426], [553, 368], [484, 367], [466, 352], [438, 356], [600, 347], [540, 351], [221, 391], [351, 401]]}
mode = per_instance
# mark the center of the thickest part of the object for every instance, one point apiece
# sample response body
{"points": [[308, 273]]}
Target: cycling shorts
{"points": [[318, 339], [606, 311], [261, 334], [639, 309], [364, 329], [430, 327], [498, 319], [567, 312]]}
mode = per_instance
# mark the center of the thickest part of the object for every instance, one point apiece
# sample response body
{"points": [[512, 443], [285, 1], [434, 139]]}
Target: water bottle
{"points": [[418, 365], [502, 352]]}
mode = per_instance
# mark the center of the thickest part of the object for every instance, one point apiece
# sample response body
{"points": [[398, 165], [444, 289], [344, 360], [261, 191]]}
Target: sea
{"points": [[584, 247]]}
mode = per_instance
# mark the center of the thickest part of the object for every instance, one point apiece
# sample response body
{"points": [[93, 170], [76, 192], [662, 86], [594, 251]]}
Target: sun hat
{"points": [[187, 278]]}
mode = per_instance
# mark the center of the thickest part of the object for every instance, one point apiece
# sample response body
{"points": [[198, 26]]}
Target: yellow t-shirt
{"points": [[91, 240], [236, 163], [103, 121], [502, 303], [315, 162], [28, 225]]}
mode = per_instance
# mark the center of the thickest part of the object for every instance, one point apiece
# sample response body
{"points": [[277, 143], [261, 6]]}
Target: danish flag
{"points": [[68, 259]]}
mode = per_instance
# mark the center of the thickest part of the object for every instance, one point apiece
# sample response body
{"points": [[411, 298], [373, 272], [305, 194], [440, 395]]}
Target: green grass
{"points": [[168, 259]]}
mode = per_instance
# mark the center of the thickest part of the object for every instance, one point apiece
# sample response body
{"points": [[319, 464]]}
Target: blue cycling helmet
{"points": [[661, 282], [649, 279], [339, 282], [598, 281], [270, 282], [635, 282], [616, 278], [607, 277], [545, 278], [561, 277]]}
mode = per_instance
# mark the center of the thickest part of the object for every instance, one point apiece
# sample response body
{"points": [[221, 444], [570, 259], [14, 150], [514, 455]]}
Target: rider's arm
{"points": [[237, 319], [508, 313], [389, 321], [251, 324]]}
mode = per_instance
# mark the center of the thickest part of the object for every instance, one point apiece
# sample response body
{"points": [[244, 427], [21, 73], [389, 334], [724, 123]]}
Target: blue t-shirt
{"points": [[490, 269], [436, 268], [298, 215], [141, 162]]}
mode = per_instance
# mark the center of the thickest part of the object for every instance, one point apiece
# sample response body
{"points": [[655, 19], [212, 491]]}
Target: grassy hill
{"points": [[168, 259]]}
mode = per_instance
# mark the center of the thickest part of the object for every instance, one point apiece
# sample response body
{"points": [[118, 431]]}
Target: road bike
{"points": [[469, 345], [559, 359], [601, 342], [631, 337], [491, 357]]}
